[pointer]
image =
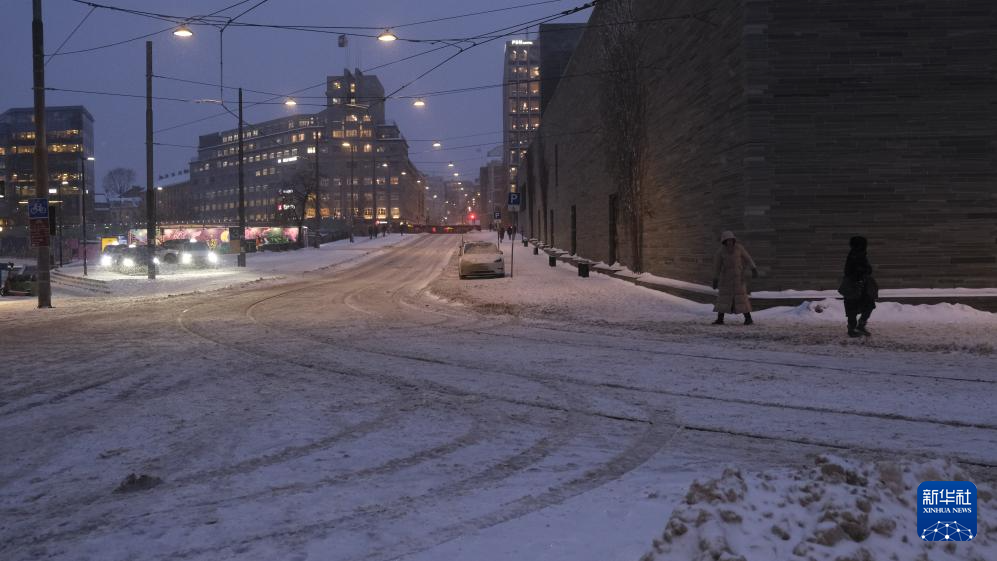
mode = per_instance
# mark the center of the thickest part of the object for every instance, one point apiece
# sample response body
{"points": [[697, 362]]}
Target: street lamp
{"points": [[450, 165], [419, 102], [437, 144], [387, 36], [290, 102], [183, 31]]}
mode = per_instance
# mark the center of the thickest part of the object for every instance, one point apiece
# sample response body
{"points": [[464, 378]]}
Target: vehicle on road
{"points": [[480, 259], [111, 256], [198, 254], [186, 252], [133, 259]]}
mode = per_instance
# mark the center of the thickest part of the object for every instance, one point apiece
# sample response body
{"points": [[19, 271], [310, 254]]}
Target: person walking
{"points": [[858, 287], [729, 265], [501, 235]]}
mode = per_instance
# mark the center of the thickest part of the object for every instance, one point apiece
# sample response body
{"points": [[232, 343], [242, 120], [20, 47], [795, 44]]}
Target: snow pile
{"points": [[835, 510], [833, 310]]}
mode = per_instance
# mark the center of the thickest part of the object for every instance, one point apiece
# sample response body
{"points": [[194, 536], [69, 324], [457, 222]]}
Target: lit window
{"points": [[311, 150]]}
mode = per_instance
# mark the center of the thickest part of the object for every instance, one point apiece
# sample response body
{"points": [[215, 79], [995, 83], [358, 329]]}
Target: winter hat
{"points": [[727, 235], [858, 243]]}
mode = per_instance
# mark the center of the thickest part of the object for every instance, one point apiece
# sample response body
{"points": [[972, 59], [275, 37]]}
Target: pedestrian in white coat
{"points": [[729, 265]]}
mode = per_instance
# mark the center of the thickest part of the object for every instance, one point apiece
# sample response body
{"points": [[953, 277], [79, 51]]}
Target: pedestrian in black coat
{"points": [[858, 288]]}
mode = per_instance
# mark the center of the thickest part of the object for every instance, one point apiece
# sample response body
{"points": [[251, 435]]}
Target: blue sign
{"points": [[946, 511], [498, 215], [37, 208], [513, 199]]}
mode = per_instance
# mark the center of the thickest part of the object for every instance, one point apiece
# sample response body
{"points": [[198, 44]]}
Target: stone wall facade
{"points": [[797, 124]]}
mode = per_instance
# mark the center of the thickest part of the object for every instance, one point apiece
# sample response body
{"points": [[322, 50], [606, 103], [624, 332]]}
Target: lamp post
{"points": [[83, 204], [241, 262], [352, 150]]}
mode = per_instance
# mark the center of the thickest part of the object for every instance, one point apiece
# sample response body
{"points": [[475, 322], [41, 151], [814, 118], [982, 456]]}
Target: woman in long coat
{"points": [[729, 265]]}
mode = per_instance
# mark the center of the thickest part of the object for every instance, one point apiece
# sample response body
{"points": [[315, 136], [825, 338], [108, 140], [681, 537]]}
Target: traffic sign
{"points": [[37, 208], [39, 232], [498, 215], [514, 202]]}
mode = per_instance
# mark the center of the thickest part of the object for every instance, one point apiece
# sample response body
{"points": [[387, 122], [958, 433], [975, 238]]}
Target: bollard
{"points": [[583, 270], [536, 250], [552, 261]]}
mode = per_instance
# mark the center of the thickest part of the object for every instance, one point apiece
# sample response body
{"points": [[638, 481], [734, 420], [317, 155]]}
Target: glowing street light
{"points": [[455, 174], [387, 36], [290, 102], [450, 165], [419, 103], [437, 144], [183, 31]]}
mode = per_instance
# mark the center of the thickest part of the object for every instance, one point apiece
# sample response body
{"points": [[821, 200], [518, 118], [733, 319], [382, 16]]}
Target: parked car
{"points": [[480, 259]]}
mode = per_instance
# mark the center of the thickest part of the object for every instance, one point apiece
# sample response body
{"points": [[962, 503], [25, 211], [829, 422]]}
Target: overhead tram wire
{"points": [[70, 36], [211, 20], [140, 37], [519, 28]]}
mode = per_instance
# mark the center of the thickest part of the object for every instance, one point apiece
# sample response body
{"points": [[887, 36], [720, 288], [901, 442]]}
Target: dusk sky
{"points": [[267, 60]]}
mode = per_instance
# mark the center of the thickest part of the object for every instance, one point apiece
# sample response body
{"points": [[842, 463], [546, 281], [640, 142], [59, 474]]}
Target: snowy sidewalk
{"points": [[541, 292]]}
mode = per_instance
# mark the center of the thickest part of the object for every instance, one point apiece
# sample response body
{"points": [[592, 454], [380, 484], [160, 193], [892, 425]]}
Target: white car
{"points": [[481, 259]]}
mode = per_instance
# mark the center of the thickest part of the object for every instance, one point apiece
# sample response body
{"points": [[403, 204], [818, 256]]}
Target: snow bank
{"points": [[835, 510], [833, 310]]}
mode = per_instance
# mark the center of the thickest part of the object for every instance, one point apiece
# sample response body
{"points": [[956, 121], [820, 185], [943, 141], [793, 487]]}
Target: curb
{"points": [[983, 303], [92, 285]]}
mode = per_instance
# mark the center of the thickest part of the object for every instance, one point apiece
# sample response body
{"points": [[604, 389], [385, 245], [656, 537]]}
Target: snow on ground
{"points": [[268, 265], [541, 292], [833, 510]]}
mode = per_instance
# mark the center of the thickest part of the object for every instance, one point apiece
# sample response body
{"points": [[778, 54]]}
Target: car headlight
{"points": [[128, 262], [186, 259], [212, 258], [106, 261]]}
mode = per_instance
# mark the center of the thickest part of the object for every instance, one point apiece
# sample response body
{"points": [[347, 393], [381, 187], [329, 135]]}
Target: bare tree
{"points": [[623, 100], [118, 181], [295, 196]]}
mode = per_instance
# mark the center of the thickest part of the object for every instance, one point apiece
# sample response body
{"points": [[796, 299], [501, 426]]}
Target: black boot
{"points": [[719, 320], [862, 330], [748, 320], [852, 328]]}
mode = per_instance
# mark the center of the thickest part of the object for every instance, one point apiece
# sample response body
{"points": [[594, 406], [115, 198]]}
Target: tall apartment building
{"points": [[349, 147], [521, 105], [69, 132], [532, 70]]}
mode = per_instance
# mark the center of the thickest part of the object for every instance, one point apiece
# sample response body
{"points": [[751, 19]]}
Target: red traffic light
{"points": [[473, 216]]}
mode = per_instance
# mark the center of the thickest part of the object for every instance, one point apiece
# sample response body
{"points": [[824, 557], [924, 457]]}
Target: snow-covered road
{"points": [[383, 411]]}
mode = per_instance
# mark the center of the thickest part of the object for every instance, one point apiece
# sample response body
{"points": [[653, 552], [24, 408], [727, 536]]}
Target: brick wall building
{"points": [[795, 123]]}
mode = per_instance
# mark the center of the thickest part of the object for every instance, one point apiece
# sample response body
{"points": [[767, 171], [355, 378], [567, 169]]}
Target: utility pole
{"points": [[353, 200], [373, 177], [41, 146], [242, 193], [318, 194], [150, 189], [83, 206]]}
